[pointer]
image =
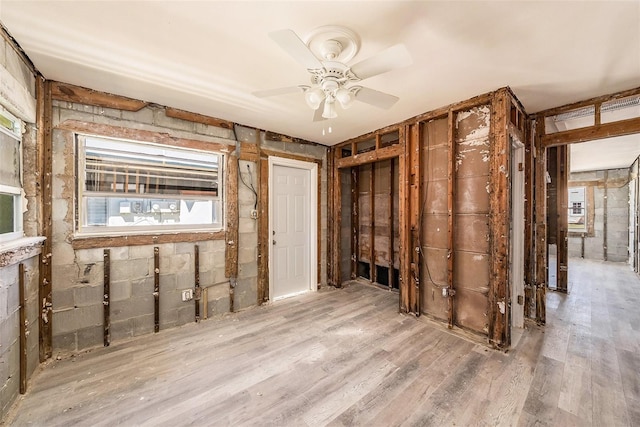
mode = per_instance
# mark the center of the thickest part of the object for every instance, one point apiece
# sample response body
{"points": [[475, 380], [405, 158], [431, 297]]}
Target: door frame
{"points": [[517, 250], [312, 168]]}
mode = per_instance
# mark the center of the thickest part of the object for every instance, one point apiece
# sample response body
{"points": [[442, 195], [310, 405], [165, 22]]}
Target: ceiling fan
{"points": [[325, 56]]}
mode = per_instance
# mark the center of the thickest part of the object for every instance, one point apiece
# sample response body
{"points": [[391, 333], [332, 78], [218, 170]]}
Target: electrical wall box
{"points": [[187, 295]]}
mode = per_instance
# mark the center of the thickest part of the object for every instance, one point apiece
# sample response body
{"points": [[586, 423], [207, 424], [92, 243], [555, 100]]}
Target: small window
{"points": [[577, 209], [128, 186], [10, 177]]}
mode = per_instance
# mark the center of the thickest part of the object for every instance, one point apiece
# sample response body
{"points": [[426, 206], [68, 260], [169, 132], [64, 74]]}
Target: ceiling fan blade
{"points": [[376, 98], [396, 56], [277, 91], [317, 114], [291, 43]]}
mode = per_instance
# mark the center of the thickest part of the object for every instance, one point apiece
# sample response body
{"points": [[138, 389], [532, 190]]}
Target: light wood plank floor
{"points": [[346, 357]]}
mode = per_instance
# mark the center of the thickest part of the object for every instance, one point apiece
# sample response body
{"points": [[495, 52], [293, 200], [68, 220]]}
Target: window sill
{"points": [[93, 242], [18, 250]]}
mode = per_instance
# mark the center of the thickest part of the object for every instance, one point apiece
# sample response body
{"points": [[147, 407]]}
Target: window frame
{"points": [[17, 192], [82, 230]]}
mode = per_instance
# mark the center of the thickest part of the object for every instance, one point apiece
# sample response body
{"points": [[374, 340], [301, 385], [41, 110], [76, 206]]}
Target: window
{"points": [[128, 186], [577, 209], [10, 177]]}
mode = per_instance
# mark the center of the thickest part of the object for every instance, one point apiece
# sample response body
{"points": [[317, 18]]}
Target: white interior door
{"points": [[293, 190]]}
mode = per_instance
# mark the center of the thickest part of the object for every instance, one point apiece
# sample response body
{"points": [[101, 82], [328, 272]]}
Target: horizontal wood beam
{"points": [[278, 137], [197, 118], [92, 128], [146, 239], [290, 156], [371, 156], [588, 102], [607, 130], [81, 95]]}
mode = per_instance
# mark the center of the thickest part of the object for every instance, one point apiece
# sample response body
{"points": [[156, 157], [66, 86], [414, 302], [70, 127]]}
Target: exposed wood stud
{"points": [[562, 241], [540, 211], [337, 224], [355, 220], [403, 223], [390, 221], [605, 254], [529, 220], [500, 149], [263, 233], [44, 113], [451, 185], [412, 139], [106, 298], [156, 288], [23, 328], [330, 216], [231, 207], [196, 279], [372, 224]]}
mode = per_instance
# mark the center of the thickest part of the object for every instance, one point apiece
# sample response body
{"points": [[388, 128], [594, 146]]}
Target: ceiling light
{"points": [[345, 97], [329, 109], [314, 97]]}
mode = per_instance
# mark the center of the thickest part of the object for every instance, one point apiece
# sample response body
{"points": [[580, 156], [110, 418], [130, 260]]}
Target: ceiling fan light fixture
{"points": [[345, 97], [314, 97], [329, 111]]}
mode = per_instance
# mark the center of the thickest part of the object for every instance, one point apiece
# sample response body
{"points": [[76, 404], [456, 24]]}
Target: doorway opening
{"points": [[370, 227]]}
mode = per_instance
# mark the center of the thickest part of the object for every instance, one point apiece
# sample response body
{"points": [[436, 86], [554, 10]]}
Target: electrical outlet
{"points": [[187, 295], [254, 214]]}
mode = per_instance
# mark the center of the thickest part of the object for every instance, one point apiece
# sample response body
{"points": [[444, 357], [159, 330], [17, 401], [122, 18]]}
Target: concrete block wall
{"points": [[13, 65], [78, 274], [10, 324], [617, 239]]}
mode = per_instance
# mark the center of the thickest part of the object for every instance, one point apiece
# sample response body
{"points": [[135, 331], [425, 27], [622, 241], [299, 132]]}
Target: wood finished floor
{"points": [[346, 357]]}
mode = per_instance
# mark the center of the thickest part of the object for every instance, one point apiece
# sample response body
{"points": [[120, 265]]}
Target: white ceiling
{"points": [[611, 153], [209, 56]]}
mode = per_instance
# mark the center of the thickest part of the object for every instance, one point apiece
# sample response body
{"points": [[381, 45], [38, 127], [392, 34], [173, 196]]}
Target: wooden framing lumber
{"points": [[197, 118], [196, 281], [562, 199], [45, 160], [231, 208], [156, 288], [355, 220], [602, 131], [141, 135], [23, 328], [337, 223], [94, 242], [263, 232], [411, 135], [106, 298], [451, 191], [390, 221], [70, 93], [372, 224], [500, 149], [540, 211], [403, 223], [371, 156]]}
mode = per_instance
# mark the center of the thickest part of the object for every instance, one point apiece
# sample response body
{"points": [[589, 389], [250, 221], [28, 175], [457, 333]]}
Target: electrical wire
{"points": [[420, 222], [250, 185]]}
